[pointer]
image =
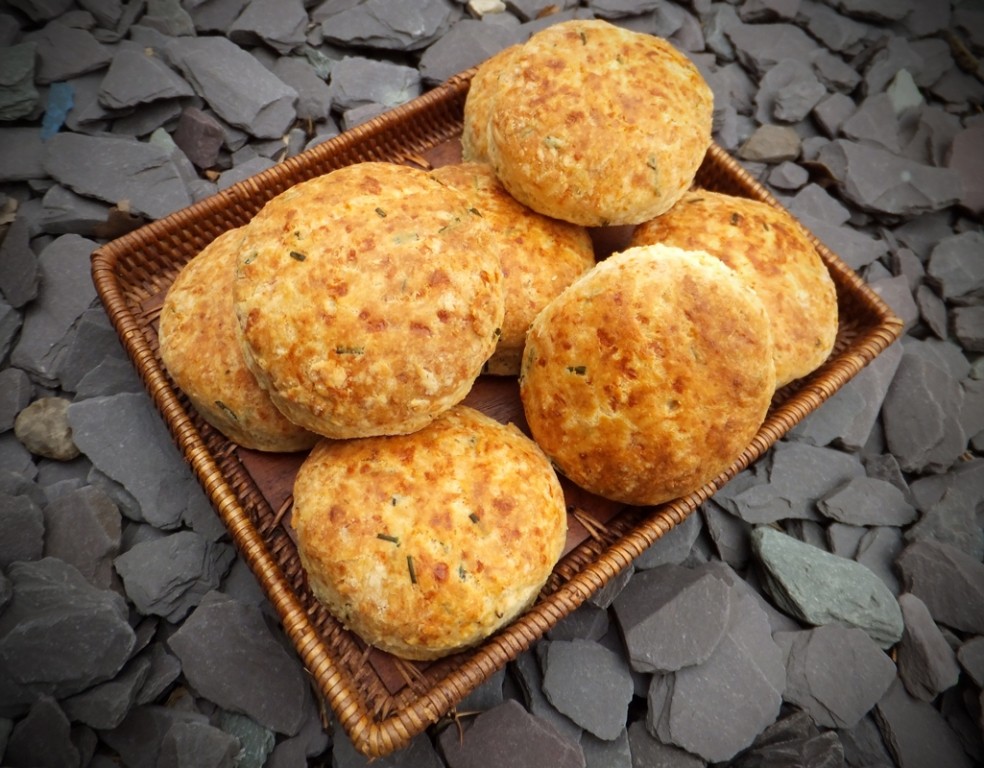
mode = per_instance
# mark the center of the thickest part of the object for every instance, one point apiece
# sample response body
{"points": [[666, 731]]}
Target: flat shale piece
{"points": [[820, 588], [65, 52], [235, 84], [868, 501], [927, 663], [956, 266], [672, 617], [278, 23], [381, 24], [949, 581], [138, 78], [509, 735], [835, 673]]}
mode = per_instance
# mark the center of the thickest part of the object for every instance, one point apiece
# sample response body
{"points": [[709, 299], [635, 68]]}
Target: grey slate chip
{"points": [[358, 82], [380, 24], [15, 393], [42, 738], [949, 581], [278, 23], [965, 159], [138, 738], [672, 617], [877, 551], [953, 520], [868, 501], [717, 708], [104, 705], [874, 121], [84, 528], [761, 46], [143, 177], [971, 657], [136, 78], [819, 588], [916, 733], [832, 111], [168, 17], [466, 44], [59, 634], [927, 663], [200, 136], [313, 93], [198, 744], [829, 27], [19, 272], [588, 683], [223, 638], [21, 529], [18, 96], [163, 671], [235, 84], [509, 735], [955, 265], [968, 327], [835, 673], [673, 547], [64, 212], [169, 576], [530, 682], [650, 752], [21, 154], [65, 52]]}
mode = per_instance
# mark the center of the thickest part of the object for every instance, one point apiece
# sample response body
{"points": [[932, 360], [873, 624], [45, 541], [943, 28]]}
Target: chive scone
{"points": [[540, 256], [368, 299], [424, 544], [771, 251], [597, 125], [199, 347], [648, 376]]}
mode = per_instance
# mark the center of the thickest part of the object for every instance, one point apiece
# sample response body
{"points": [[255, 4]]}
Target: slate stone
{"points": [[104, 705], [219, 642], [877, 551], [235, 84], [968, 327], [952, 520], [468, 43], [970, 654], [125, 439], [43, 429], [313, 93], [138, 175], [874, 121], [965, 160], [717, 708], [168, 17], [244, 171], [21, 153], [138, 78], [197, 744], [605, 596], [788, 176], [358, 82], [169, 576], [920, 413], [672, 547], [509, 735], [58, 635], [587, 622], [835, 673], [281, 25], [22, 529], [771, 144], [139, 737], [927, 663], [819, 588], [728, 533], [42, 738], [879, 181], [41, 10], [65, 52], [916, 733], [895, 55], [868, 501], [18, 96], [761, 46], [163, 670], [928, 134], [835, 31], [379, 24], [64, 212], [529, 679], [649, 751], [932, 311], [200, 136], [955, 266], [672, 617], [949, 581], [794, 100], [84, 528], [19, 278], [588, 683], [834, 72], [842, 539], [16, 391]]}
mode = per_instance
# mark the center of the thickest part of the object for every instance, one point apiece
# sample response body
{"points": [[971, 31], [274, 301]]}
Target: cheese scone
{"points": [[648, 376], [368, 299], [199, 346], [425, 544]]}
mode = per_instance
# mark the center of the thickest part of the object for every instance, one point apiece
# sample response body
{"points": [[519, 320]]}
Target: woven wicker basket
{"points": [[380, 701]]}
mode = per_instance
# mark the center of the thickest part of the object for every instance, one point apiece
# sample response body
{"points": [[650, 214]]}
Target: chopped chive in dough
{"points": [[393, 501], [579, 370], [340, 350], [381, 213], [387, 537], [462, 572], [413, 573], [497, 332], [584, 38], [227, 410], [473, 517], [553, 142], [475, 212], [735, 218], [653, 165], [250, 257], [297, 256]]}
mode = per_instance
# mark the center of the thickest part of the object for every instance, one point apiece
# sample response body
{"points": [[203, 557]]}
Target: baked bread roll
{"points": [[598, 125], [648, 376], [540, 256], [424, 544], [369, 299], [199, 346], [478, 105], [770, 250]]}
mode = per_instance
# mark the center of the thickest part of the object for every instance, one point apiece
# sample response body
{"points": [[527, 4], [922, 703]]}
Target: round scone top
{"points": [[540, 256], [424, 544], [368, 299], [648, 376], [770, 250], [478, 105], [599, 125], [199, 346]]}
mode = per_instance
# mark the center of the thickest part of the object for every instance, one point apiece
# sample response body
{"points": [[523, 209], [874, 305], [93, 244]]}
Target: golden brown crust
{"points": [[540, 256], [369, 299], [598, 125], [425, 544], [478, 105], [200, 349], [769, 249], [648, 376]]}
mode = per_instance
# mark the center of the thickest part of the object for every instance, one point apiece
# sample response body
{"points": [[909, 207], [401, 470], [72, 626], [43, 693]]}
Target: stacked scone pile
{"points": [[356, 310]]}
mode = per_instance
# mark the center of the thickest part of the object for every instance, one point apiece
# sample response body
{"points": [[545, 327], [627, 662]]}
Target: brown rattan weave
{"points": [[383, 704]]}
